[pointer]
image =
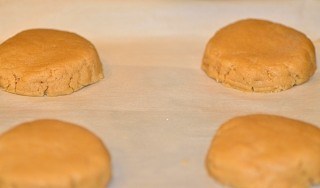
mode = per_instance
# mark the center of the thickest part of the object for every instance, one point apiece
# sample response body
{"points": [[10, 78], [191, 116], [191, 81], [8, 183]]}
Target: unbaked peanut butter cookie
{"points": [[52, 154], [265, 151], [259, 56], [40, 62]]}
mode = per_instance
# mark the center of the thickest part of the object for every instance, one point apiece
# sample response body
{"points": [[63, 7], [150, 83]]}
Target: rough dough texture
{"points": [[48, 62], [260, 56], [51, 153], [265, 151]]}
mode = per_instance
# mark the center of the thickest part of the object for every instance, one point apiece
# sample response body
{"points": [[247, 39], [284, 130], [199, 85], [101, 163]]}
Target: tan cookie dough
{"points": [[55, 154], [40, 62], [265, 151], [259, 56]]}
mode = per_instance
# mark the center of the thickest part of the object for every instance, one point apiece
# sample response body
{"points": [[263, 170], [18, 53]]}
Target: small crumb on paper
{"points": [[184, 162], [317, 42]]}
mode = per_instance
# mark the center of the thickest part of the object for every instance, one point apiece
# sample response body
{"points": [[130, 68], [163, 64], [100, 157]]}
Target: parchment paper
{"points": [[156, 110]]}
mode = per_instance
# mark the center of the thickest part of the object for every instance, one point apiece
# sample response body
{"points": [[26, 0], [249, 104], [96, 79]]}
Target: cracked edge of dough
{"points": [[214, 68], [49, 83]]}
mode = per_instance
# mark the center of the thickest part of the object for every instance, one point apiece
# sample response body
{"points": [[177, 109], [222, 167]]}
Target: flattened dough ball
{"points": [[40, 62], [265, 151], [260, 56], [55, 154]]}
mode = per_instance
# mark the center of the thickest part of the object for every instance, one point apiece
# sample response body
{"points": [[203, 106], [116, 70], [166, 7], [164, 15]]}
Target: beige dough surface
{"points": [[40, 62], [265, 151], [51, 153], [259, 56]]}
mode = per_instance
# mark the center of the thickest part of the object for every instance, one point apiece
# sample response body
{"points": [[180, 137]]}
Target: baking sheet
{"points": [[156, 110]]}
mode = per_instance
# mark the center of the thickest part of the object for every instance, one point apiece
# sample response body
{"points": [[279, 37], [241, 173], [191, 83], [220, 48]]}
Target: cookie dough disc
{"points": [[265, 151], [260, 56], [48, 62], [51, 153]]}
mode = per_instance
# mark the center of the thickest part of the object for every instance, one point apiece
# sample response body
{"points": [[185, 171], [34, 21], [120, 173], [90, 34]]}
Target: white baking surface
{"points": [[156, 110]]}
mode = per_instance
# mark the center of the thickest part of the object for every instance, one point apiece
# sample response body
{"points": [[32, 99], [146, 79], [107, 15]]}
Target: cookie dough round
{"points": [[40, 62], [51, 153], [265, 151], [259, 56]]}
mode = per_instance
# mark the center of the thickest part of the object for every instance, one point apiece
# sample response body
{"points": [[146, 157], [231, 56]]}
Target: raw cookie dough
{"points": [[55, 154], [260, 56], [40, 62], [265, 151]]}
